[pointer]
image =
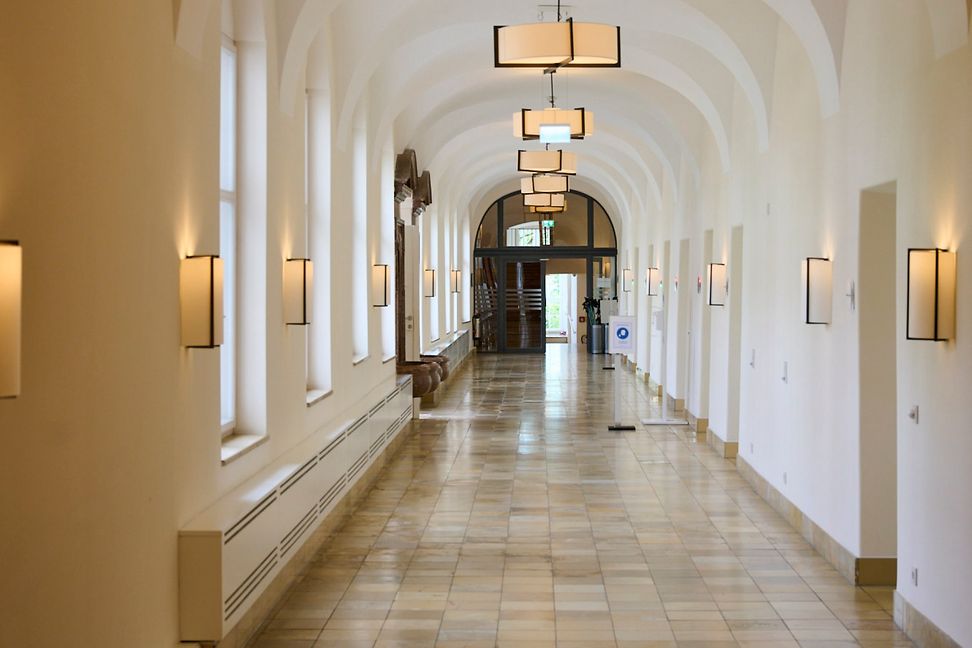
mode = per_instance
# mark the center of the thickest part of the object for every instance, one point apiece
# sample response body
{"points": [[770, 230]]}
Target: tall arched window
{"points": [[359, 271], [243, 227], [319, 242], [227, 231]]}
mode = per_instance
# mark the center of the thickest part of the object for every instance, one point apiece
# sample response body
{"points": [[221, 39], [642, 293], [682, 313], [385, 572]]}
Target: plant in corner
{"points": [[593, 308]]}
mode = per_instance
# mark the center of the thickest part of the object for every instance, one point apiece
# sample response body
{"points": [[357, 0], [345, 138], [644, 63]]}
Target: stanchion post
{"points": [[621, 338]]}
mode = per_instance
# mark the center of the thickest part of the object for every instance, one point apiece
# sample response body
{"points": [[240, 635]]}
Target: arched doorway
{"points": [[517, 251]]}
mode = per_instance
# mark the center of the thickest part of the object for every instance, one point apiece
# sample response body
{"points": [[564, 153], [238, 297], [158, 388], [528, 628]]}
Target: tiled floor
{"points": [[513, 517]]}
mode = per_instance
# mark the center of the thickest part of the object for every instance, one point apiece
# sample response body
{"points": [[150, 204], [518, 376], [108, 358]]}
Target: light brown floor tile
{"points": [[512, 517]]}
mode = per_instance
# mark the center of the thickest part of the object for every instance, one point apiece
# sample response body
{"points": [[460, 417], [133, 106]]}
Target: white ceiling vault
{"points": [[425, 67]]}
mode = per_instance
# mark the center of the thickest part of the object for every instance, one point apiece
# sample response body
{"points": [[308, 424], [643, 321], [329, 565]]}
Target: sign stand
{"points": [[621, 338], [665, 419]]}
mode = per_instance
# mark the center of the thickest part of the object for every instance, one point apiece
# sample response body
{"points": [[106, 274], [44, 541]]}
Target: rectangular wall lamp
{"points": [[298, 279], [653, 282], [11, 296], [931, 294], [429, 282], [201, 295], [456, 281], [380, 286], [818, 289], [718, 284], [626, 280]]}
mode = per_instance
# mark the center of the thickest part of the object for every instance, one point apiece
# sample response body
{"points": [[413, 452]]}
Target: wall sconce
{"points": [[718, 284], [606, 269], [818, 288], [298, 279], [626, 280], [380, 286], [429, 282], [456, 281], [653, 281], [201, 294], [931, 294], [11, 289]]}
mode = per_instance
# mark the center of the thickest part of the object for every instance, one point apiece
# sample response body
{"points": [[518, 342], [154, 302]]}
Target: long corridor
{"points": [[513, 517]]}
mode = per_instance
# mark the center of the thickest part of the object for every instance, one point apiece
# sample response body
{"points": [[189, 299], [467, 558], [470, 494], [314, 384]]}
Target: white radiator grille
{"points": [[231, 552]]}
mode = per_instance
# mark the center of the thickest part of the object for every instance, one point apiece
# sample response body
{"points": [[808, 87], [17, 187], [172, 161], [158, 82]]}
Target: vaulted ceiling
{"points": [[425, 69]]}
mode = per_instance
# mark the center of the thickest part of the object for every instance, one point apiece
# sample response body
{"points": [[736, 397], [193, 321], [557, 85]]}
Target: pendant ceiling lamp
{"points": [[553, 125], [556, 45], [558, 161], [545, 210], [544, 200], [545, 184]]}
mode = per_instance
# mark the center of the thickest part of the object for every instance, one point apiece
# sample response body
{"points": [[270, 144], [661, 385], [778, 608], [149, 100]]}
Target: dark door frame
{"points": [[501, 325], [503, 254]]}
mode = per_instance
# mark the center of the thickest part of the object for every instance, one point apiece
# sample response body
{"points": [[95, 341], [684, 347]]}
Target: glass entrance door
{"points": [[522, 327]]}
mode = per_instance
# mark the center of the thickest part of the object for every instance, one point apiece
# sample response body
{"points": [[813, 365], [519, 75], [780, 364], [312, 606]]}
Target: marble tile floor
{"points": [[512, 517]]}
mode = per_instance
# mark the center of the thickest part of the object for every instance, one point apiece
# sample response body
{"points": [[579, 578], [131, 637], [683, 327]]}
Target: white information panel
{"points": [[621, 334]]}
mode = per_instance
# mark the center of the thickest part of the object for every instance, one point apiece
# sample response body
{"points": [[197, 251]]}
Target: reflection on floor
{"points": [[513, 517]]}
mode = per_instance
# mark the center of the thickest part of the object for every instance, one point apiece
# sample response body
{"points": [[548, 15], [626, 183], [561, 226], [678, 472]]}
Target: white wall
{"points": [[904, 117], [108, 177]]}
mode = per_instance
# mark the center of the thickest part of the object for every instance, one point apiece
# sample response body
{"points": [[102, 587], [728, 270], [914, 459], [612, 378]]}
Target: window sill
{"points": [[356, 361], [388, 359], [236, 445], [315, 396]]}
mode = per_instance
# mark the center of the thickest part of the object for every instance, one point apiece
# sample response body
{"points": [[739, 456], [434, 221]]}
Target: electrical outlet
{"points": [[752, 360], [751, 448], [914, 577], [786, 372], [784, 478]]}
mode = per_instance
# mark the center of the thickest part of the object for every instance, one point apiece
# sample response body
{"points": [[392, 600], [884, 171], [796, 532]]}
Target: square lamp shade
{"points": [[456, 281], [201, 295], [557, 161], [626, 280], [430, 282], [380, 286], [553, 125], [818, 289], [653, 282], [544, 200], [718, 284], [559, 44], [544, 210], [11, 288], [545, 184], [298, 278], [931, 294]]}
